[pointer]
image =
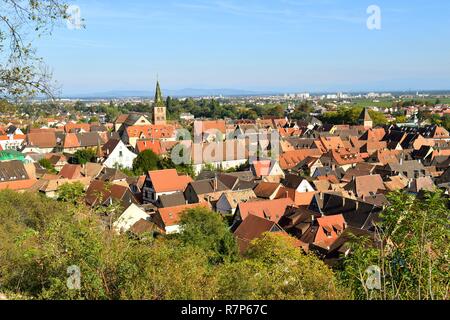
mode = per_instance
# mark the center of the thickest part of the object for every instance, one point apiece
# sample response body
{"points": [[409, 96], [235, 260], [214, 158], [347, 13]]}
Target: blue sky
{"points": [[286, 45]]}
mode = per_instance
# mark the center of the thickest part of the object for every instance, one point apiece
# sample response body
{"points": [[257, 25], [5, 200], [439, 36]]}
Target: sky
{"points": [[259, 45]]}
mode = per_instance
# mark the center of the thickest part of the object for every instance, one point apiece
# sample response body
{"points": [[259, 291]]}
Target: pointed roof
{"points": [[158, 95], [365, 116]]}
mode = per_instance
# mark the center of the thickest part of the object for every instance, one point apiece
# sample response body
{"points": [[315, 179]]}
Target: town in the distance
{"points": [[317, 168]]}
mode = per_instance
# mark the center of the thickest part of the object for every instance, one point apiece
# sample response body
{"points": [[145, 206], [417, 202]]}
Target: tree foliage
{"points": [[84, 156], [206, 229], [22, 73], [413, 257]]}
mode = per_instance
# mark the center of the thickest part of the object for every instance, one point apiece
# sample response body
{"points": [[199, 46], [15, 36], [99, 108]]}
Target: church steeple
{"points": [[159, 107], [158, 95]]}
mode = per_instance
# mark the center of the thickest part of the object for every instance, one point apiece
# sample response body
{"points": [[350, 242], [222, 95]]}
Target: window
{"points": [[121, 153]]}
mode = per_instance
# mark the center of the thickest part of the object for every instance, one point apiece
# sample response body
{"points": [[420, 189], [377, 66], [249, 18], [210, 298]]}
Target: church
{"points": [[159, 108]]}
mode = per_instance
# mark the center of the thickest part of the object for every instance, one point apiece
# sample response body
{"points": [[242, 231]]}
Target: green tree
{"points": [[71, 192], [84, 156], [46, 164], [146, 161], [413, 255], [206, 229], [22, 73], [275, 268]]}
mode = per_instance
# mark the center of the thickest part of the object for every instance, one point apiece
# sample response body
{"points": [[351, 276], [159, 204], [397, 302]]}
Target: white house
{"points": [[268, 170], [12, 142], [163, 182], [128, 218], [117, 154]]}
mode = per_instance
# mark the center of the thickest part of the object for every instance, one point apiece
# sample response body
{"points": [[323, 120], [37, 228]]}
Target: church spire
{"points": [[159, 107], [158, 95]]}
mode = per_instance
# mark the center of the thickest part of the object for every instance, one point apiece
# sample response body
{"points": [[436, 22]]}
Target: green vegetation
{"points": [[46, 164], [350, 115], [40, 238], [413, 257], [148, 160], [211, 108], [71, 192], [84, 156]]}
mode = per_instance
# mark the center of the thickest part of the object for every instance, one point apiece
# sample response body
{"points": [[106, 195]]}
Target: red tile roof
{"points": [[271, 209], [151, 131], [168, 180], [71, 171], [290, 159], [171, 216]]}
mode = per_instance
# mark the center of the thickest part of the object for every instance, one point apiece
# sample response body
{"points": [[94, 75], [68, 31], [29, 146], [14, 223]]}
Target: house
{"points": [[229, 201], [72, 142], [168, 219], [226, 155], [252, 228], [117, 155], [298, 183], [291, 159], [149, 132], [421, 183], [77, 127], [44, 142], [143, 227], [132, 119], [267, 190], [12, 141], [163, 182], [308, 165], [341, 158], [101, 193], [271, 210], [209, 131], [111, 175], [364, 186], [171, 200], [92, 170], [410, 169], [324, 231], [14, 176], [13, 130], [396, 183], [50, 185], [357, 213], [129, 218], [204, 190], [58, 161], [267, 170], [71, 171]]}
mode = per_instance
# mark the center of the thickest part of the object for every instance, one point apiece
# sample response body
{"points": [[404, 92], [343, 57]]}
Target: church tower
{"points": [[365, 119], [159, 108]]}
